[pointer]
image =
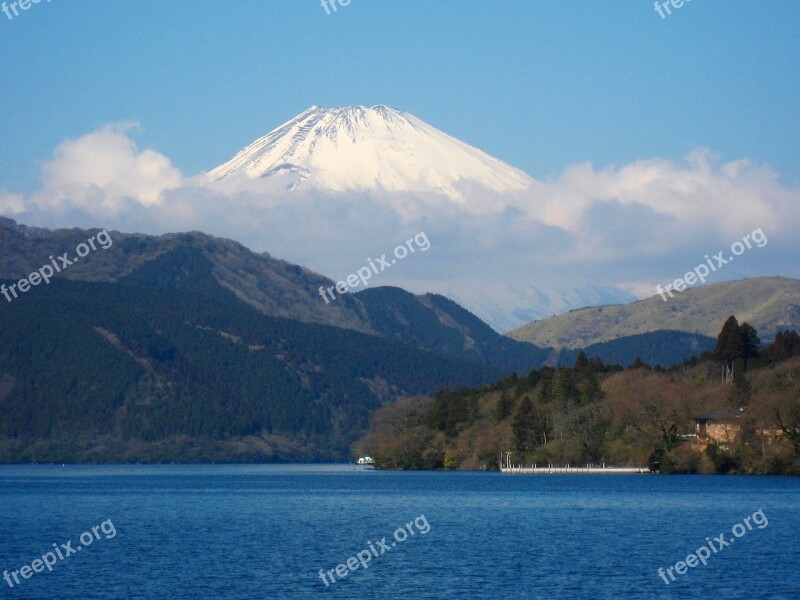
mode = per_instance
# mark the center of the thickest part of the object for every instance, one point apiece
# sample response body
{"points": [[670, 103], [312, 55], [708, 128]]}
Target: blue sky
{"points": [[653, 141], [540, 84]]}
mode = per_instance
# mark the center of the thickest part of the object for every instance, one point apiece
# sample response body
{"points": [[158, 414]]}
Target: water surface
{"points": [[266, 531]]}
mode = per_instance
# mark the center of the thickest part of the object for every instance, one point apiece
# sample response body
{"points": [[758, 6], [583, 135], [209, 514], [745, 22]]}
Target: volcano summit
{"points": [[356, 148]]}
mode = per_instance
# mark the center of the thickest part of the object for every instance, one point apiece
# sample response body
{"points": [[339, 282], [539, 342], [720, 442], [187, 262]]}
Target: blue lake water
{"points": [[266, 531]]}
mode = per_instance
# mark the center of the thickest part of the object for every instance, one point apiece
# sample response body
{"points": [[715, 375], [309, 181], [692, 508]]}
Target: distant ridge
{"points": [[768, 303], [203, 264]]}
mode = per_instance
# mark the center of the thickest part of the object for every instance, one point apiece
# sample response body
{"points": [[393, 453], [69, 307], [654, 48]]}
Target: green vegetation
{"points": [[439, 325], [665, 348], [592, 413], [216, 267], [187, 347], [114, 371]]}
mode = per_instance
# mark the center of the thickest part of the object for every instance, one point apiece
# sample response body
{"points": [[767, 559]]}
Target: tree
{"points": [[591, 390], [545, 393], [581, 362], [637, 364], [785, 345], [741, 393], [505, 406], [730, 346], [566, 388], [788, 417], [662, 423], [750, 342], [523, 426]]}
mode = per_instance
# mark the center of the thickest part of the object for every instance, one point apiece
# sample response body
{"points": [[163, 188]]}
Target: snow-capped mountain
{"points": [[356, 148]]}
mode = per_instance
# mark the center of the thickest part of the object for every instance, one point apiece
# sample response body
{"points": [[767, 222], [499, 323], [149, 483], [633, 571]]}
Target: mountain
{"points": [[439, 325], [357, 148], [193, 348], [507, 308], [769, 304], [273, 286], [127, 371], [206, 264], [665, 348]]}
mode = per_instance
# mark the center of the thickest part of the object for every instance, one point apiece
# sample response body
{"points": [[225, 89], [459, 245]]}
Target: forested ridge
{"points": [[113, 371], [593, 413]]}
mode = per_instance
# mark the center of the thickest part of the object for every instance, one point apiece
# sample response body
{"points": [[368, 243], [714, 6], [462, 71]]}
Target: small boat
{"points": [[366, 460]]}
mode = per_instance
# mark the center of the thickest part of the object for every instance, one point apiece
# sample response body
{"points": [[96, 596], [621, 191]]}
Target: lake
{"points": [[266, 531]]}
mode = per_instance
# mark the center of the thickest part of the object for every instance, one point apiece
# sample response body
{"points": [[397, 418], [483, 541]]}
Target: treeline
{"points": [[592, 413]]}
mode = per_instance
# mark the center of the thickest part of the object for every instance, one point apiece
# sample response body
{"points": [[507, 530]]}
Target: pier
{"points": [[508, 468], [536, 470]]}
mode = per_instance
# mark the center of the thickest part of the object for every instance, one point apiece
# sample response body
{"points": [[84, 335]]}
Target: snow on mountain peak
{"points": [[366, 148]]}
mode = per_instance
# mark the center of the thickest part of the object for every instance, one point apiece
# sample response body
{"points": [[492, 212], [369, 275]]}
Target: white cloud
{"points": [[11, 204], [699, 198], [570, 240], [104, 172]]}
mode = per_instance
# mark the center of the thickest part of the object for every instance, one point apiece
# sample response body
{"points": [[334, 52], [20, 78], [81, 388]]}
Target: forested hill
{"points": [[186, 347], [206, 264], [127, 372], [600, 414]]}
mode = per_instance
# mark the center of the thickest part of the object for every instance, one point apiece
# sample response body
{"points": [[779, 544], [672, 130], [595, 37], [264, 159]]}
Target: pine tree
{"points": [[785, 345], [545, 393], [592, 390], [637, 364], [750, 342], [741, 393], [505, 406], [730, 346], [523, 426], [566, 388], [581, 362]]}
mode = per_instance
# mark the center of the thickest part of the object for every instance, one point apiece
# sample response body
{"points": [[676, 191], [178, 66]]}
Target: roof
{"points": [[717, 415]]}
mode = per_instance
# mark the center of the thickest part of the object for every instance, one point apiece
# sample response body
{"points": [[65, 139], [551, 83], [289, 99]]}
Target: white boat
{"points": [[366, 460]]}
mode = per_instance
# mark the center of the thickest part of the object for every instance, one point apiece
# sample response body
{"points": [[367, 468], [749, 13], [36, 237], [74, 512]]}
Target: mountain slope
{"points": [[272, 286], [664, 347], [366, 148], [768, 303], [209, 265], [114, 371], [439, 325]]}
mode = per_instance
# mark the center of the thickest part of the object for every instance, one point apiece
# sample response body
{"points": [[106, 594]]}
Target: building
{"points": [[719, 426], [724, 427]]}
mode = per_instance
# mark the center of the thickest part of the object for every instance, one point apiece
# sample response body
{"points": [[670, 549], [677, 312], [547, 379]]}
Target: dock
{"points": [[535, 470], [507, 467]]}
